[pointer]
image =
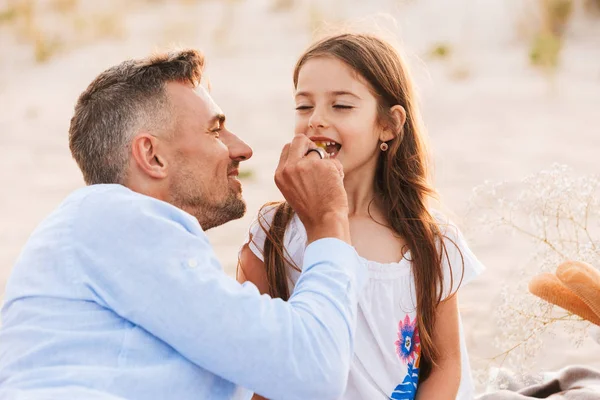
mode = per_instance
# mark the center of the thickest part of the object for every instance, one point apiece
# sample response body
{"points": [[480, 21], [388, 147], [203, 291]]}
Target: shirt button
{"points": [[192, 263]]}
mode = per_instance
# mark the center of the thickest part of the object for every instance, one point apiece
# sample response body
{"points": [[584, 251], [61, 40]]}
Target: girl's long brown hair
{"points": [[402, 181]]}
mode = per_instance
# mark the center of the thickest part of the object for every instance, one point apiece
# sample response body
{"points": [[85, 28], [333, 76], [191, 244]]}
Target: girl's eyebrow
{"points": [[344, 93], [332, 93], [302, 94]]}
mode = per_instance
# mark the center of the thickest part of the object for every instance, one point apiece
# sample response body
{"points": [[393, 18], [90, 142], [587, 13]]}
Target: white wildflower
{"points": [[560, 215]]}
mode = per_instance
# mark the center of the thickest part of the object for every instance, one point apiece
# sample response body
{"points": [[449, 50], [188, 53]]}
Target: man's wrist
{"points": [[330, 225]]}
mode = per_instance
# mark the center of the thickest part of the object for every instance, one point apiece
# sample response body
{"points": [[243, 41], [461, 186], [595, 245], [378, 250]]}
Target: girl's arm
{"points": [[444, 380], [252, 269]]}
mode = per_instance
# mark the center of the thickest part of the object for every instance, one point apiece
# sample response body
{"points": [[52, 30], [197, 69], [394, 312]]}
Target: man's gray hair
{"points": [[119, 103]]}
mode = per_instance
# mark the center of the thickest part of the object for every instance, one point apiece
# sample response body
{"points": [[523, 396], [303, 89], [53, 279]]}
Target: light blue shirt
{"points": [[120, 296]]}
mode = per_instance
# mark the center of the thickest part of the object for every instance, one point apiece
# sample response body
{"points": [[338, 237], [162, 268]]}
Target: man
{"points": [[118, 294]]}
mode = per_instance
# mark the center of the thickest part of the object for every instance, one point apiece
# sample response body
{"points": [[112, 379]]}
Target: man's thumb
{"points": [[339, 167]]}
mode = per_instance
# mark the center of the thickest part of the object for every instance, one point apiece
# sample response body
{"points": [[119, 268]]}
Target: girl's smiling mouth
{"points": [[330, 146]]}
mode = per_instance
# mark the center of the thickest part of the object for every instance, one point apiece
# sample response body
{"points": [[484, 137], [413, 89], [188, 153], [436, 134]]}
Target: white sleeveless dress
{"points": [[386, 348]]}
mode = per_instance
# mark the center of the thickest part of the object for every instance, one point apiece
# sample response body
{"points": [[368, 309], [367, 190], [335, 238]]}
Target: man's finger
{"points": [[299, 146], [283, 157], [314, 155], [338, 166]]}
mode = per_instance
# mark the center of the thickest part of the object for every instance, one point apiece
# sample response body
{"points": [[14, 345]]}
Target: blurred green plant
{"points": [[246, 174], [547, 43], [45, 47], [8, 15], [18, 14], [545, 50], [440, 50]]}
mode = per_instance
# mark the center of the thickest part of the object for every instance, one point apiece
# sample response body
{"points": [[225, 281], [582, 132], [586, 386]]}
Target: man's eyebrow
{"points": [[217, 118]]}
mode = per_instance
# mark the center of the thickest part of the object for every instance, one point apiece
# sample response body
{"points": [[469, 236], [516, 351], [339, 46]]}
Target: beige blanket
{"points": [[570, 383]]}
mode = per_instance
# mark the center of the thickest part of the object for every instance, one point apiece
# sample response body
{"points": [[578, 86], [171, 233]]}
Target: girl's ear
{"points": [[399, 117]]}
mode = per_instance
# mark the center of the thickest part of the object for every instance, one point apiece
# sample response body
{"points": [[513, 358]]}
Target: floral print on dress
{"points": [[408, 345], [408, 350]]}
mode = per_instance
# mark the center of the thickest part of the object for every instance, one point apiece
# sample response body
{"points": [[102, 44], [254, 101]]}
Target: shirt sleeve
{"points": [[459, 263], [258, 236], [294, 241], [152, 264]]}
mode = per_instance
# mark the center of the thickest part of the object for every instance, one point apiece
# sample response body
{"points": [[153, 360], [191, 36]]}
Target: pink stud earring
{"points": [[384, 146]]}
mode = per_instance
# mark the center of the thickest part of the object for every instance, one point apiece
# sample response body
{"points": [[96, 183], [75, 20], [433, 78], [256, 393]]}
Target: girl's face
{"points": [[334, 107]]}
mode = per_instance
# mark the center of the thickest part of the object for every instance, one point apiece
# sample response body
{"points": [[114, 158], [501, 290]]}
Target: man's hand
{"points": [[314, 188]]}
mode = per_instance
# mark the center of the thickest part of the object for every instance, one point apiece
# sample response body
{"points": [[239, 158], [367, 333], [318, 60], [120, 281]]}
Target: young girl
{"points": [[354, 97]]}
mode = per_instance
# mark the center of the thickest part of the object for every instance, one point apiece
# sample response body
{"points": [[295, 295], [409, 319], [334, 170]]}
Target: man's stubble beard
{"points": [[209, 214], [234, 207]]}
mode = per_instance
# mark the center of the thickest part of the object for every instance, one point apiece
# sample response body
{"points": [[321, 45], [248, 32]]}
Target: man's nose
{"points": [[238, 149]]}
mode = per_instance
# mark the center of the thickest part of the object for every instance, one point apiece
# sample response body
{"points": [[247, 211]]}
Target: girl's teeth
{"points": [[324, 145]]}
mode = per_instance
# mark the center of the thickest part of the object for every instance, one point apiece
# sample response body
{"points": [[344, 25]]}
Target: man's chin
{"points": [[235, 208], [240, 210]]}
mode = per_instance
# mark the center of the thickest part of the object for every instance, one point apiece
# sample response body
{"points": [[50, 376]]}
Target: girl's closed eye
{"points": [[303, 107], [342, 106]]}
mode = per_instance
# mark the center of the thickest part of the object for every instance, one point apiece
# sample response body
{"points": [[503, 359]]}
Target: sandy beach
{"points": [[490, 115]]}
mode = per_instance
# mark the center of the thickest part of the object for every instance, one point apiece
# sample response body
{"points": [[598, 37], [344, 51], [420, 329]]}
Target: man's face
{"points": [[204, 158]]}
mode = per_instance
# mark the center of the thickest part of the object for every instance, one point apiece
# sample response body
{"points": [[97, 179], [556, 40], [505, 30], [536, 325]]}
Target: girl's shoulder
{"points": [[460, 265], [294, 239]]}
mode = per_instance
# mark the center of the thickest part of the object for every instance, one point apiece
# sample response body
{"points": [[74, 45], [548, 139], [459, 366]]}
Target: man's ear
{"points": [[145, 152], [399, 118]]}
